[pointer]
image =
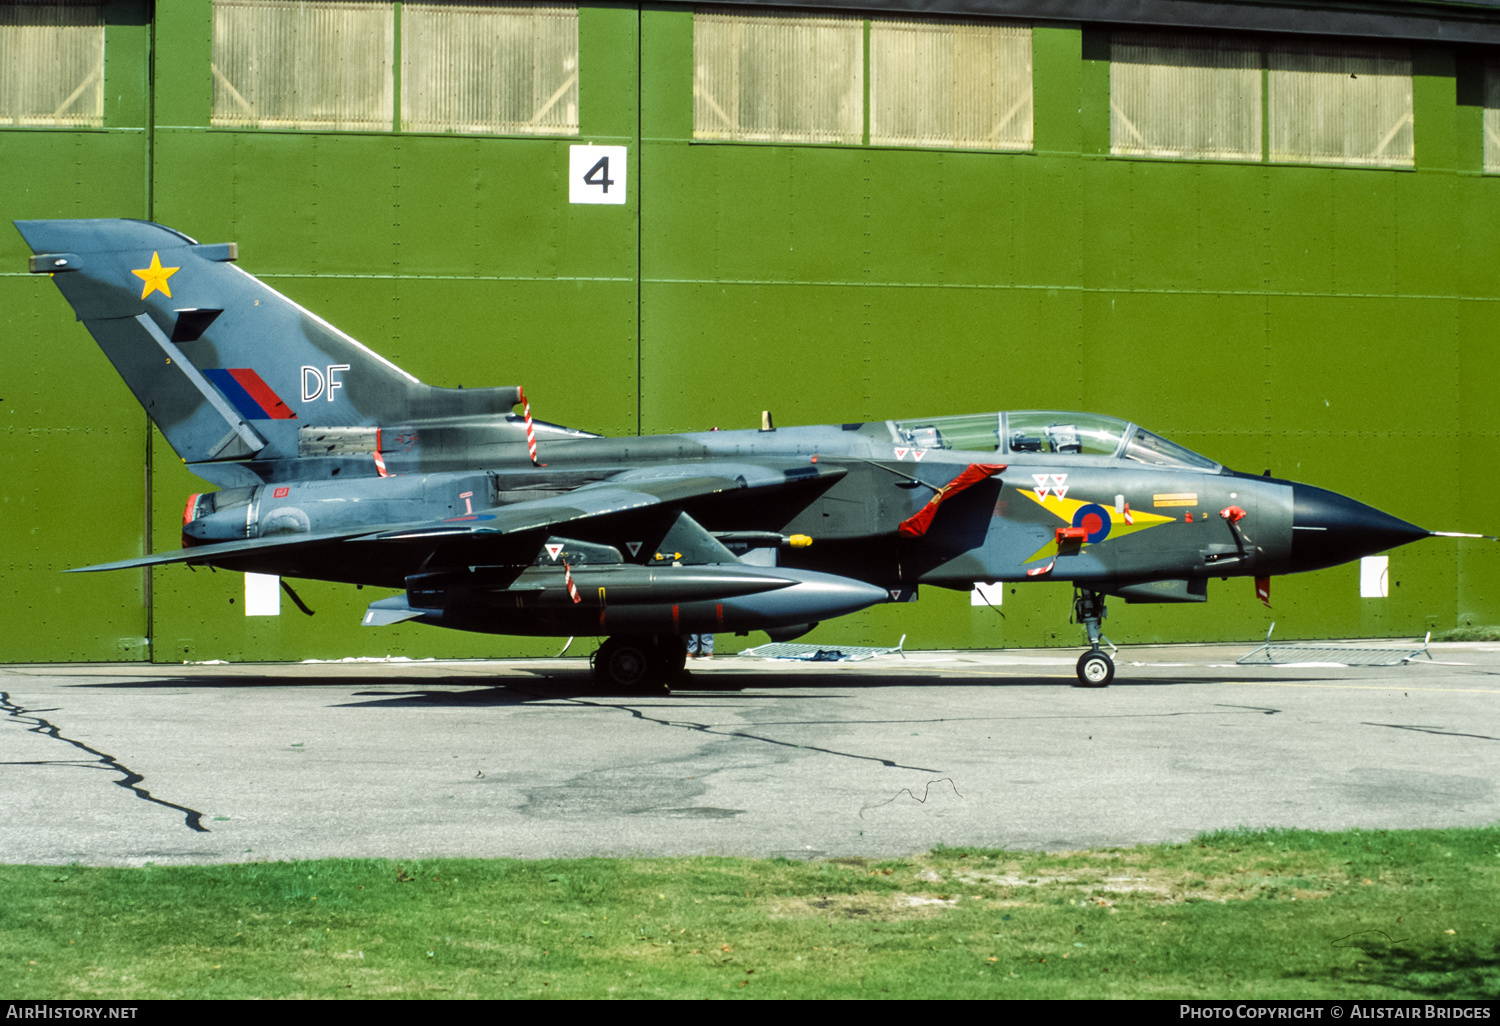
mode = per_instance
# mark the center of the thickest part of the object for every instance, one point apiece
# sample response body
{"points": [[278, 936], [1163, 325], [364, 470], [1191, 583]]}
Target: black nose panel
{"points": [[1329, 529]]}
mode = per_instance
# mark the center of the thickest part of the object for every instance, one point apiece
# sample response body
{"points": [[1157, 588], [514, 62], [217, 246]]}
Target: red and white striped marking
{"points": [[530, 428], [1042, 569], [572, 588], [379, 459]]}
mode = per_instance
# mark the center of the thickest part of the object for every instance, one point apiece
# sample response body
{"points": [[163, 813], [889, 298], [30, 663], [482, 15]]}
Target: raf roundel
{"points": [[1094, 519]]}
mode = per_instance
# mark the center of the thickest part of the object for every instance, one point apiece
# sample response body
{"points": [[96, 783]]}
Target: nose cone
{"points": [[816, 596], [1329, 529]]}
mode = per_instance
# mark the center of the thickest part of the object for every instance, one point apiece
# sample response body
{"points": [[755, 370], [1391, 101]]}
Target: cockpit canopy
{"points": [[1049, 432]]}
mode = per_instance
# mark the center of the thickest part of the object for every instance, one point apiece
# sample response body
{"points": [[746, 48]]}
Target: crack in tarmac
{"points": [[1011, 719], [709, 728], [192, 818], [1432, 730]]}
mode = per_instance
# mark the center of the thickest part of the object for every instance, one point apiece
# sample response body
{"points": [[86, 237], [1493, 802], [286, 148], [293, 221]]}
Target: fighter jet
{"points": [[332, 463]]}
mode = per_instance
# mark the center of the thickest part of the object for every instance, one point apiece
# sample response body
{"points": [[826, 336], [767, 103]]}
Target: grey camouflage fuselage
{"points": [[334, 464]]}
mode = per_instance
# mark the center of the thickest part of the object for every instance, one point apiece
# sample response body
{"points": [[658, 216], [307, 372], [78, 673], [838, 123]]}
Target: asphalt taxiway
{"points": [[126, 764]]}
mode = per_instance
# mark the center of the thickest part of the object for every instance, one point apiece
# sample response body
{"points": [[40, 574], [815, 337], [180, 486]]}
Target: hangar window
{"points": [[960, 85], [1180, 95], [475, 67], [1492, 118], [1340, 105], [1208, 97], [303, 64], [803, 78], [52, 64], [778, 78], [489, 68]]}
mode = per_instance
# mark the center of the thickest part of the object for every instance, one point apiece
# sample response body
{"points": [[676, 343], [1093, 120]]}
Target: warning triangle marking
{"points": [[901, 453], [554, 551], [917, 454], [634, 547]]}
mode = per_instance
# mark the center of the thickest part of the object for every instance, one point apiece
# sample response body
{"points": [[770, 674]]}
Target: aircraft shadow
{"points": [[565, 684], [750, 687]]}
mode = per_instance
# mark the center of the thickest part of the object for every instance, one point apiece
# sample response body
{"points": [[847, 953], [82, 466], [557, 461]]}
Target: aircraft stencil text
{"points": [[317, 382]]}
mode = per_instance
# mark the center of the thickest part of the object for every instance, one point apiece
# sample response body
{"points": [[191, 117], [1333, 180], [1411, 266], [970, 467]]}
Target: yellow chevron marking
{"points": [[1066, 509]]}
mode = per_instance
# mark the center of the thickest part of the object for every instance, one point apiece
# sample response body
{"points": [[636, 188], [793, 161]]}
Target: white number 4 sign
{"points": [[596, 174]]}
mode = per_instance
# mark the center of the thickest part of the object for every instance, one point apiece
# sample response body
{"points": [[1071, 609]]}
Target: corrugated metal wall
{"points": [[51, 59], [1334, 324], [1185, 95], [1350, 105], [948, 84], [778, 79], [288, 64], [477, 69]]}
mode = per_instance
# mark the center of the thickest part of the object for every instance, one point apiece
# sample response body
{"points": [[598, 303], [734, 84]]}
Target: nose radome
{"points": [[1329, 529]]}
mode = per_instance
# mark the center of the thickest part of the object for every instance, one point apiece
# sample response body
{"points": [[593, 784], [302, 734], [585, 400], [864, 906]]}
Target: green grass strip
{"points": [[1468, 632], [1278, 914]]}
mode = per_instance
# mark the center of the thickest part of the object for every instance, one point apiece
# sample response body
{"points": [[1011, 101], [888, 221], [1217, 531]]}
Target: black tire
{"points": [[626, 664], [1095, 670]]}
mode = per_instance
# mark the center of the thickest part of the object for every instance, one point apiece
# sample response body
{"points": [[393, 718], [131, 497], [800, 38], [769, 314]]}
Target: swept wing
{"points": [[664, 485]]}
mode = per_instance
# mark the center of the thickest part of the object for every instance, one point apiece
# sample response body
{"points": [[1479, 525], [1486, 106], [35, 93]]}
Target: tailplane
{"points": [[227, 367]]}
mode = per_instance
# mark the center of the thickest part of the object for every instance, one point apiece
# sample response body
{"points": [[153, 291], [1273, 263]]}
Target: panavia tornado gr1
{"points": [[334, 464]]}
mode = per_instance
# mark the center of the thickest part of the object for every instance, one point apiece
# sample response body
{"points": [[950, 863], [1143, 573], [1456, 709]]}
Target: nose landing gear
{"points": [[1095, 668]]}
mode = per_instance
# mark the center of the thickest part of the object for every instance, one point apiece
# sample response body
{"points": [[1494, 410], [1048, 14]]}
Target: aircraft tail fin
{"points": [[227, 367]]}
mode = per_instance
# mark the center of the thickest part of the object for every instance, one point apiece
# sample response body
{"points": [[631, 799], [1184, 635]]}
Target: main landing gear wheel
{"points": [[624, 663], [638, 665], [1095, 670]]}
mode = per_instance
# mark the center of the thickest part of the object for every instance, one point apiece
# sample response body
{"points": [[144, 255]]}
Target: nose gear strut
{"points": [[1095, 668]]}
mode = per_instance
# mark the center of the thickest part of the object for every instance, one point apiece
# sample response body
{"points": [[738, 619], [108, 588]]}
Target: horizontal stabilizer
{"points": [[216, 554]]}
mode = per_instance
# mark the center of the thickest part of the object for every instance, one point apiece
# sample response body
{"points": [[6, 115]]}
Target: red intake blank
{"points": [[916, 525]]}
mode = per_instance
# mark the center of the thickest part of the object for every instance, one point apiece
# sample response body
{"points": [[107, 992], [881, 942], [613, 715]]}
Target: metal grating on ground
{"points": [[1366, 654], [820, 653]]}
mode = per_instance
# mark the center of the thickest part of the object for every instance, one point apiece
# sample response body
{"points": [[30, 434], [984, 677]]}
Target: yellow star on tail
{"points": [[156, 277]]}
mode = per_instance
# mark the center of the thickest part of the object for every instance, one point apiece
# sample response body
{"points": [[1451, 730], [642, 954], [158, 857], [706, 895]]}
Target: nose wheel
{"points": [[1095, 669]]}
